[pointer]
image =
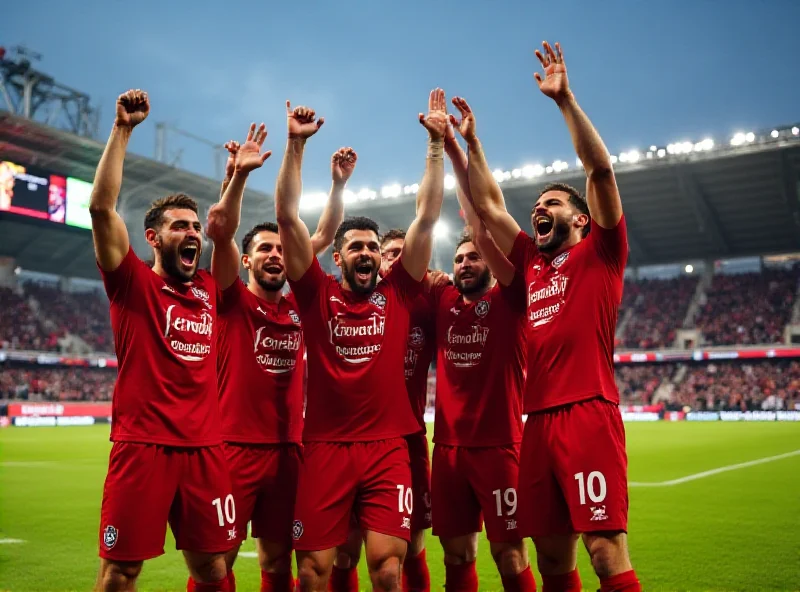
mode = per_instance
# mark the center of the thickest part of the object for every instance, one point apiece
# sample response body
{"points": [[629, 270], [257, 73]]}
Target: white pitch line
{"points": [[725, 469], [248, 554], [10, 541]]}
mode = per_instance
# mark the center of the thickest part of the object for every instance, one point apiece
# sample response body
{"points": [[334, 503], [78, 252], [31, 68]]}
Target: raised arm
{"points": [[298, 252], [602, 194], [232, 147], [343, 163], [111, 241], [484, 192], [418, 245], [225, 216], [501, 268]]}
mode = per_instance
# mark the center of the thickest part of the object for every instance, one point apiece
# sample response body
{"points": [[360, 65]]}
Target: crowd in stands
{"points": [[56, 384], [637, 383], [659, 308], [21, 328], [749, 308]]}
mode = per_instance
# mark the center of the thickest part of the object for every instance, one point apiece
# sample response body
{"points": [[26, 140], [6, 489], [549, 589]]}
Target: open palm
{"points": [[555, 83], [249, 156]]}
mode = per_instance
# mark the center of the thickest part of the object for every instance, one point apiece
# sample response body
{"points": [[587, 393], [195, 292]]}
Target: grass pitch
{"points": [[733, 530]]}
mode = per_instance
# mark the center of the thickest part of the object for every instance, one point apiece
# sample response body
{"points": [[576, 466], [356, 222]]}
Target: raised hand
{"points": [[465, 127], [301, 121], [233, 148], [555, 83], [249, 156], [343, 163], [436, 120], [132, 108]]}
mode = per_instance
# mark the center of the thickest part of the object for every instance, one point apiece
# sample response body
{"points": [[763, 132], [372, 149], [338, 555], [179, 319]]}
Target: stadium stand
{"points": [[659, 308], [56, 384]]}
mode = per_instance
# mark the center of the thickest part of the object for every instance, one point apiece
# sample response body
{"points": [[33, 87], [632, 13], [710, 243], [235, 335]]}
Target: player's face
{"points": [[265, 261], [390, 252], [360, 260], [470, 273], [553, 220], [179, 242]]}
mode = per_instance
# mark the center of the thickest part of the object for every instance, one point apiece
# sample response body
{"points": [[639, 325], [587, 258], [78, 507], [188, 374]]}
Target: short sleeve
{"points": [[231, 297], [521, 251], [514, 293], [433, 293], [118, 283], [407, 287], [611, 244], [306, 290]]}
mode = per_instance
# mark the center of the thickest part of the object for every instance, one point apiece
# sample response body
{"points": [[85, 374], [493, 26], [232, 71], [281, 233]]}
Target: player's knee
{"points": [[276, 562], [207, 567], [510, 558], [387, 575], [608, 555], [120, 575], [345, 558], [417, 543], [555, 555], [461, 549]]}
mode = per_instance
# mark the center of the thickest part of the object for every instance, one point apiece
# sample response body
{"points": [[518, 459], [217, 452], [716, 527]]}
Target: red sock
{"points": [[231, 582], [276, 582], [416, 577], [343, 579], [460, 578], [624, 582], [190, 585], [568, 582], [221, 586], [522, 582]]}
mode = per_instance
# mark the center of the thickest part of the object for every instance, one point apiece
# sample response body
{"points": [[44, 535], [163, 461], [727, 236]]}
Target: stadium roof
{"points": [[682, 202]]}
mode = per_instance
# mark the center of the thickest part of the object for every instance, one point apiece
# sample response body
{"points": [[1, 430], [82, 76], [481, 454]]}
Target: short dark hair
{"points": [[393, 234], [353, 223], [466, 237], [154, 216], [577, 200], [247, 241]]}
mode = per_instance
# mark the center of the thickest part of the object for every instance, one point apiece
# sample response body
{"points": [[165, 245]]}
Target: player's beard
{"points": [[349, 273], [268, 284], [480, 283], [558, 236], [171, 261]]}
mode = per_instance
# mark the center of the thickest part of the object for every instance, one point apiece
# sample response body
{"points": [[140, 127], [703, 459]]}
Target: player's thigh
{"points": [[541, 507], [420, 462], [608, 552], [203, 518], [273, 514], [349, 553], [326, 492], [139, 489], [460, 549], [494, 473], [246, 473], [385, 555], [591, 465], [556, 554], [314, 568], [274, 557], [385, 501], [455, 508], [205, 567]]}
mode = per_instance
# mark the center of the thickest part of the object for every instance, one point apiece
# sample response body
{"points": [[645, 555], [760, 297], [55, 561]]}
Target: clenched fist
{"points": [[343, 163], [132, 108], [301, 122]]}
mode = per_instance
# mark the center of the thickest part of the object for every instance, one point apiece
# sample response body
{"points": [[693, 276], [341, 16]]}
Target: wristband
{"points": [[436, 149]]}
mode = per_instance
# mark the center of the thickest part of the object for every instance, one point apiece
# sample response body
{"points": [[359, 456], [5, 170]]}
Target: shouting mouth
{"points": [[364, 272], [543, 225], [273, 269], [188, 254]]}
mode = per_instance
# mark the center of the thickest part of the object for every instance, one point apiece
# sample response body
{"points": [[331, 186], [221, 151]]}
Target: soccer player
{"points": [[166, 463], [261, 364], [480, 376], [573, 464], [356, 459]]}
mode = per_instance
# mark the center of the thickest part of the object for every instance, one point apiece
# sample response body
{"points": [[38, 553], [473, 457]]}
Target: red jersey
{"points": [[480, 366], [356, 347], [260, 368], [419, 354], [572, 316], [166, 390]]}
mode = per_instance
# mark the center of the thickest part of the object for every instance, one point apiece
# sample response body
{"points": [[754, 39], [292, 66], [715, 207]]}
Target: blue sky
{"points": [[645, 71]]}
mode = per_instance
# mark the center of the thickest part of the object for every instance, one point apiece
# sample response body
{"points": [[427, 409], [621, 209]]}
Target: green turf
{"points": [[737, 530]]}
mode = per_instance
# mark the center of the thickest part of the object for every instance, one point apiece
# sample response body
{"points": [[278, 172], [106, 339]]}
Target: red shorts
{"points": [[574, 470], [471, 485], [420, 459], [264, 479], [148, 486], [370, 479]]}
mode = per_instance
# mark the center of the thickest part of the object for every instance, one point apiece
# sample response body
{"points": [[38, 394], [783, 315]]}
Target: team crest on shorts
{"points": [[294, 317], [110, 536], [482, 308], [297, 530], [416, 337], [560, 260], [598, 513], [378, 300]]}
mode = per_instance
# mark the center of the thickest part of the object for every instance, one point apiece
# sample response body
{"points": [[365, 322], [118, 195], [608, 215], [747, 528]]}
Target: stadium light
{"points": [[774, 133], [750, 136], [653, 148], [578, 163], [17, 270], [548, 169], [738, 139], [614, 159], [661, 153], [449, 182], [440, 230], [312, 201], [391, 190], [366, 194], [795, 130], [498, 175], [689, 268], [348, 196], [516, 173]]}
